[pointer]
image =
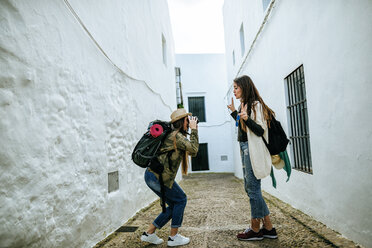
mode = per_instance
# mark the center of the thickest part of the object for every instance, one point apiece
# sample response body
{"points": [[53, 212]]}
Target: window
{"points": [[233, 57], [179, 88], [164, 49], [298, 118], [200, 162], [197, 108], [242, 45], [265, 3]]}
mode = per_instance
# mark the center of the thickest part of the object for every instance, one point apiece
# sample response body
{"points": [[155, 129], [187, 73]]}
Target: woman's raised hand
{"points": [[193, 122], [243, 114], [231, 106]]}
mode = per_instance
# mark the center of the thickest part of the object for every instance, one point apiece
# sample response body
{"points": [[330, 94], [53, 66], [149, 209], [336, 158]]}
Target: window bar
{"points": [[300, 121], [309, 152], [305, 138], [296, 119], [299, 109], [306, 128], [299, 165], [308, 155], [294, 134], [303, 122], [303, 125], [289, 106], [292, 117], [306, 132], [300, 124], [308, 140], [290, 113], [295, 122]]}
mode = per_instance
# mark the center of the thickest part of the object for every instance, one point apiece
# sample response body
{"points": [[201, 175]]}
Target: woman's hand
{"points": [[231, 106], [243, 114], [193, 122]]}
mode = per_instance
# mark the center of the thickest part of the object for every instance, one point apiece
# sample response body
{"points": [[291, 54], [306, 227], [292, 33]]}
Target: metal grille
{"points": [[297, 112], [197, 108], [179, 88], [113, 181]]}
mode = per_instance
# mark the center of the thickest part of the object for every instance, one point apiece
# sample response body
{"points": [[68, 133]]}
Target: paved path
{"points": [[217, 209]]}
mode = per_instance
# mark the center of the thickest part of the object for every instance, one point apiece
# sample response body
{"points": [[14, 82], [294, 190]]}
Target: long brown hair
{"points": [[249, 96], [178, 125]]}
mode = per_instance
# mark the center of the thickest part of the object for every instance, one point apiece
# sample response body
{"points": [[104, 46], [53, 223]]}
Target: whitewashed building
{"points": [[79, 82], [203, 80], [311, 62]]}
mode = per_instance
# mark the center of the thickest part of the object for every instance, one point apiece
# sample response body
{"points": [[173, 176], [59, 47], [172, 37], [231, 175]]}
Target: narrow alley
{"points": [[80, 81], [217, 209]]}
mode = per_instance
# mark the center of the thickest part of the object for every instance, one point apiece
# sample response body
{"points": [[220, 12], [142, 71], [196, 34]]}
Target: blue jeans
{"points": [[252, 185], [174, 197]]}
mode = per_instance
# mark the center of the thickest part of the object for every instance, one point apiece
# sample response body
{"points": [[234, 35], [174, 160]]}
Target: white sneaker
{"points": [[178, 240], [151, 238]]}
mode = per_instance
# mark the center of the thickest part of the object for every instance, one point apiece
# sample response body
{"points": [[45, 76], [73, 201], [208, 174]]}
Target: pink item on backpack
{"points": [[156, 130]]}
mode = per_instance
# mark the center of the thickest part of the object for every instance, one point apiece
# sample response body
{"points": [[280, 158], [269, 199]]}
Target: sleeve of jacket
{"points": [[192, 145], [254, 127], [259, 119], [234, 114]]}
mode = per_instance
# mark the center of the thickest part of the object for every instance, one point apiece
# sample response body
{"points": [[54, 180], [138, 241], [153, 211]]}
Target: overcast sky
{"points": [[197, 26]]}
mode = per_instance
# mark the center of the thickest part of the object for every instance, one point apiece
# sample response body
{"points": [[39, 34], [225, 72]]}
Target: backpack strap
{"points": [[157, 167], [162, 186], [162, 193], [267, 145]]}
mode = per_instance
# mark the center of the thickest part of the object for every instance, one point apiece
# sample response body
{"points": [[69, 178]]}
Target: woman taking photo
{"points": [[252, 118], [174, 150]]}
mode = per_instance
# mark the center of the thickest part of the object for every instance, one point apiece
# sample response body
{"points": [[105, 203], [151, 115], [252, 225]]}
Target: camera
{"points": [[197, 120]]}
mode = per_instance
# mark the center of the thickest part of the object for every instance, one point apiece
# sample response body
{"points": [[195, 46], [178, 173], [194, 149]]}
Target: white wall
{"points": [[332, 39], [251, 23], [130, 32], [205, 75], [69, 115]]}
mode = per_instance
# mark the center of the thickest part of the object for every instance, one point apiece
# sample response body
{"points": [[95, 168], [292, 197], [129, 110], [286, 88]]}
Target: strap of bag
{"points": [[265, 142], [161, 181], [162, 193]]}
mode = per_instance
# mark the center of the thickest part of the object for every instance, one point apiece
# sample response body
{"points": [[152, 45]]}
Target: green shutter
{"points": [[197, 107], [200, 162]]}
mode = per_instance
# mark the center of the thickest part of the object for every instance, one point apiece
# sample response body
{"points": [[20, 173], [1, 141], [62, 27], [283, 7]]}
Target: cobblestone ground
{"points": [[217, 209]]}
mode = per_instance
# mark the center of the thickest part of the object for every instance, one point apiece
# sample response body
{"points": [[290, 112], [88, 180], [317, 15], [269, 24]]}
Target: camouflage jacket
{"points": [[183, 144]]}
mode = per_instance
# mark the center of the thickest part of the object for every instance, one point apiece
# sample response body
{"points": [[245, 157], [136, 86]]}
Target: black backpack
{"points": [[147, 148], [146, 151], [278, 140]]}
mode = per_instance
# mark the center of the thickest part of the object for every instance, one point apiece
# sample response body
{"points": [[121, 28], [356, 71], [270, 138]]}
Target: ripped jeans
{"points": [[252, 185]]}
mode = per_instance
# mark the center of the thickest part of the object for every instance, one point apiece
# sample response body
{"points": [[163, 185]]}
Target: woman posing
{"points": [[179, 147], [252, 118]]}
